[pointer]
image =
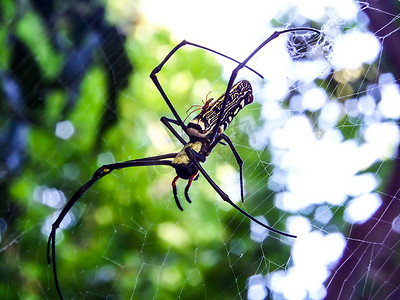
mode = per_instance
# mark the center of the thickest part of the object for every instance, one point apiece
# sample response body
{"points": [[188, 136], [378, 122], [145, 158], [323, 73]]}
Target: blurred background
{"points": [[319, 145]]}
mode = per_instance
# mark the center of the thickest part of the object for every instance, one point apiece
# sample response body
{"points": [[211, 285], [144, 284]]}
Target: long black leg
{"points": [[243, 65], [148, 159], [225, 197], [221, 54], [153, 75], [237, 157], [190, 180], [100, 172], [167, 122]]}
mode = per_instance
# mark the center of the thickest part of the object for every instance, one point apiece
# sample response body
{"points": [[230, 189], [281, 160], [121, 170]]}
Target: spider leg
{"points": [[178, 203], [190, 180], [98, 174], [237, 157], [225, 197], [153, 76], [219, 53], [175, 192], [167, 122], [243, 65]]}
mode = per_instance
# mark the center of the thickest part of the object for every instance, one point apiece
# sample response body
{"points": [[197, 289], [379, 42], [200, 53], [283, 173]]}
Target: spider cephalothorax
{"points": [[205, 131]]}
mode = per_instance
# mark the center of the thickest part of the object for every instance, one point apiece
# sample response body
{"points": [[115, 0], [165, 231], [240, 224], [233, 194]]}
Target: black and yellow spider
{"points": [[204, 132]]}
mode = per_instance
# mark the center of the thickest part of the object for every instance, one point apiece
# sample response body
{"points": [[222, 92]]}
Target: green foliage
{"points": [[30, 29]]}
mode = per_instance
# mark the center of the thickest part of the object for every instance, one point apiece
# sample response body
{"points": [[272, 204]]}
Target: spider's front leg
{"points": [[167, 122]]}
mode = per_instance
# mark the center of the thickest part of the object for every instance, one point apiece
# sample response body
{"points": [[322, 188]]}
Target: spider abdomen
{"points": [[202, 126]]}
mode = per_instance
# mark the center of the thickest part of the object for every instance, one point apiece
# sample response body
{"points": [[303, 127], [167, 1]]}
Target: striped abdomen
{"points": [[203, 124]]}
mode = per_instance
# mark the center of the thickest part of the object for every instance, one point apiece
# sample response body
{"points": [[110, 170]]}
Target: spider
{"points": [[204, 132]]}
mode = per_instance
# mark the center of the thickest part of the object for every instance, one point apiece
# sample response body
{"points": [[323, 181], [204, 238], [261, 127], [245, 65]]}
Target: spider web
{"points": [[319, 146]]}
